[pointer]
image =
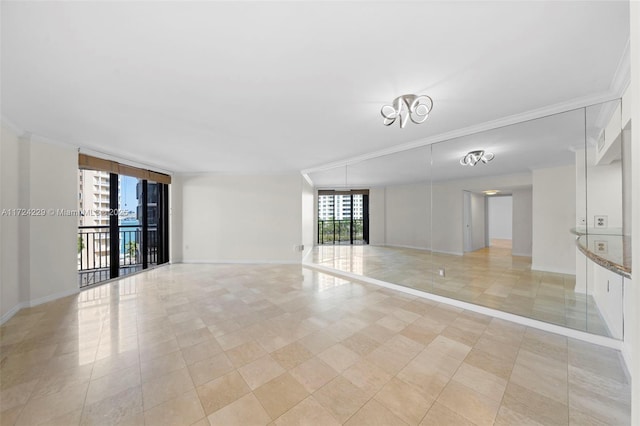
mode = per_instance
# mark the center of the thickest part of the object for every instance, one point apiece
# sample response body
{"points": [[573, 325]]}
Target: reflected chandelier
{"points": [[474, 157], [407, 107]]}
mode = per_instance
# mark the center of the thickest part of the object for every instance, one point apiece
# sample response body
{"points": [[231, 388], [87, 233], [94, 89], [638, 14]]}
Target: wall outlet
{"points": [[600, 221], [441, 272], [299, 247], [601, 246]]}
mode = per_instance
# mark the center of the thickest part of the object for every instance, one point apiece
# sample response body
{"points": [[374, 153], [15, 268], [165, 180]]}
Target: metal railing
{"points": [[343, 231], [94, 251]]}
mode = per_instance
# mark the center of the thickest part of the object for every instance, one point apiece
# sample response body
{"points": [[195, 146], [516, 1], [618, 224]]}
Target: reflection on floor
{"points": [[489, 277], [243, 344], [501, 243]]}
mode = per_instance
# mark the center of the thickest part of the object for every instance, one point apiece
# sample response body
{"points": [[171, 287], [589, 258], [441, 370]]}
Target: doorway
{"points": [[500, 221], [473, 221]]}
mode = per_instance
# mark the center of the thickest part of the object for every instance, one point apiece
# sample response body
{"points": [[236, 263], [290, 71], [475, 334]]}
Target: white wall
{"points": [[607, 290], [53, 239], [500, 220], [627, 182], [400, 214], [407, 216], [632, 318], [448, 207], [9, 238], [522, 233], [478, 221], [175, 219], [447, 220], [38, 255], [604, 191], [377, 218], [554, 212], [241, 218], [308, 216]]}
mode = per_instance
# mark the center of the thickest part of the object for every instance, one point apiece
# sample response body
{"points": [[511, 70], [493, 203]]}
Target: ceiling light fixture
{"points": [[474, 157], [490, 192], [407, 107]]}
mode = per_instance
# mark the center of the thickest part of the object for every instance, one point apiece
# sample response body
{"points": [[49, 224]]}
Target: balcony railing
{"points": [[94, 251], [343, 231]]}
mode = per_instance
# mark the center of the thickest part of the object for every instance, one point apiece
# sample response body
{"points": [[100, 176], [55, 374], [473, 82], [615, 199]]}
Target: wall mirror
{"points": [[492, 218]]}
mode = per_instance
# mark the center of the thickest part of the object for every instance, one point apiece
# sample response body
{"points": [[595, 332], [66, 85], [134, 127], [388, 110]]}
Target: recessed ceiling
{"points": [[261, 87]]}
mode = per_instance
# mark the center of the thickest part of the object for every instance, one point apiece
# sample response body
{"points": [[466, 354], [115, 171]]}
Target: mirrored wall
{"points": [[534, 226]]}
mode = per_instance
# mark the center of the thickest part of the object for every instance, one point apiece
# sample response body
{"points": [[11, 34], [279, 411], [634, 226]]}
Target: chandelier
{"points": [[474, 157], [407, 107]]}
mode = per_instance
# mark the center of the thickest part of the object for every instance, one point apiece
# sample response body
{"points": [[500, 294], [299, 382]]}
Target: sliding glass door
{"points": [[343, 217], [122, 225]]}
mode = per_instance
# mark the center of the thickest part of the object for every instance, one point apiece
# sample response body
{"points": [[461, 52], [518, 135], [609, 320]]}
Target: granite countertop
{"points": [[610, 251]]}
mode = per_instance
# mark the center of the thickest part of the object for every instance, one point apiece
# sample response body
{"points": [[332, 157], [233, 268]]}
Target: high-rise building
{"points": [[93, 198], [338, 207]]}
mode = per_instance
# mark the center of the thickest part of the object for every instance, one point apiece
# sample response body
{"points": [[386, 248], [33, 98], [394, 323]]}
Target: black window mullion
{"points": [[160, 233], [145, 226], [114, 231], [365, 218], [351, 215], [165, 222]]}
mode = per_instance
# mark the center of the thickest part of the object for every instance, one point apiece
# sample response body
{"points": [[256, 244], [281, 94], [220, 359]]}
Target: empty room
{"points": [[319, 213]]}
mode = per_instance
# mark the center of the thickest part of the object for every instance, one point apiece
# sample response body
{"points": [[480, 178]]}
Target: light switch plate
{"points": [[600, 221]]}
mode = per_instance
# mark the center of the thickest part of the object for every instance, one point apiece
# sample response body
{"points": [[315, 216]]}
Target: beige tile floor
{"points": [[283, 345], [489, 277]]}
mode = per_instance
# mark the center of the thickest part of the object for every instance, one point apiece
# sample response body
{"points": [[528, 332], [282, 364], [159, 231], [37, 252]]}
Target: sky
{"points": [[128, 199]]}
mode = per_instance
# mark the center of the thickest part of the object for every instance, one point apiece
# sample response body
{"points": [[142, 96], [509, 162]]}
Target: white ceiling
{"points": [[248, 87], [520, 148]]}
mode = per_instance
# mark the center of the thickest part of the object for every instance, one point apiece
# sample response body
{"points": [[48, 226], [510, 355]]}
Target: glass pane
{"points": [[130, 224], [93, 227], [602, 240], [153, 222], [526, 179]]}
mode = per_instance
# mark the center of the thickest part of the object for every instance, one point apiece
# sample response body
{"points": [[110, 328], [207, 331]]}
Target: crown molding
{"points": [[308, 179], [44, 140], [622, 76], [11, 125], [283, 173], [534, 114]]}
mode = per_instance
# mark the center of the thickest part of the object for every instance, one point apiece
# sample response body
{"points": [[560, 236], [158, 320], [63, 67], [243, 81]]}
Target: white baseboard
{"points": [[7, 316], [626, 357], [52, 297], [31, 303], [529, 322], [453, 253], [552, 270], [241, 262], [407, 247], [521, 254]]}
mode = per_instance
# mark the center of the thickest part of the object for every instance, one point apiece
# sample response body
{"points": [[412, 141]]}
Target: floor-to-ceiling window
{"points": [[122, 220], [343, 217]]}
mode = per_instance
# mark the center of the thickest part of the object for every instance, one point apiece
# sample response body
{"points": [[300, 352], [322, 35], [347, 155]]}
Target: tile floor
{"points": [[283, 345], [489, 277]]}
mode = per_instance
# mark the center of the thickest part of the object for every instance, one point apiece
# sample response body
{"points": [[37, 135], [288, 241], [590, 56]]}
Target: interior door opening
{"points": [[500, 221]]}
